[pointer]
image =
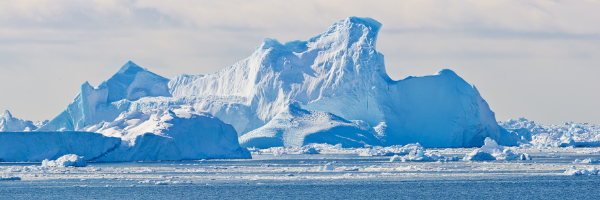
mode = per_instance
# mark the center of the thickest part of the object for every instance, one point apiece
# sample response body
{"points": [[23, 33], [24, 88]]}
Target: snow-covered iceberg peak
{"points": [[132, 82], [10, 124], [341, 59], [93, 104]]}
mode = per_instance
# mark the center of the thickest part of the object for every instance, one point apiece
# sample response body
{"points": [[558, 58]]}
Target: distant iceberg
{"points": [[566, 134], [8, 123]]}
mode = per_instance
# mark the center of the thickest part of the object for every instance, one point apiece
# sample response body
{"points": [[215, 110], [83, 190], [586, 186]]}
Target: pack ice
{"points": [[332, 88], [539, 135]]}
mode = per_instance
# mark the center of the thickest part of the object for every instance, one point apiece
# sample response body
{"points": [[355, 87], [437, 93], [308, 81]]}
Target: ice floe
{"points": [[574, 171], [69, 160]]}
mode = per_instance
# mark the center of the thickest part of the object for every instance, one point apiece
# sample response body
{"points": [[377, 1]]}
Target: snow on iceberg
{"points": [[69, 160], [294, 127], [8, 123]]}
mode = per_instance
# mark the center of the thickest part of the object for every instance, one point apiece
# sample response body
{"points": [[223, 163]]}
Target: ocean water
{"points": [[305, 177], [504, 187]]}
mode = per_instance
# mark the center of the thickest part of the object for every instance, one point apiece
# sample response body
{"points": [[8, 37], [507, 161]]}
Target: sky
{"points": [[538, 59]]}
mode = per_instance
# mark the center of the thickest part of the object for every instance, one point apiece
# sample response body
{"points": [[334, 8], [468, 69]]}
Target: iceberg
{"points": [[492, 151], [574, 171], [332, 88], [340, 72], [174, 134], [8, 123]]}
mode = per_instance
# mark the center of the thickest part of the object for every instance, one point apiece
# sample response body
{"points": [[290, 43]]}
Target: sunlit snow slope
{"points": [[337, 74]]}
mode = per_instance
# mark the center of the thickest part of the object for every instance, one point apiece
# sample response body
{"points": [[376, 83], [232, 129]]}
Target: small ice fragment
{"points": [[162, 183], [590, 161], [478, 154], [525, 157], [328, 167], [69, 160]]}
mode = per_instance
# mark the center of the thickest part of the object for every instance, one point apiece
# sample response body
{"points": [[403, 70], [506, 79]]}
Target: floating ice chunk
{"points": [[508, 154], [574, 171], [478, 154], [162, 183], [310, 150], [491, 146], [420, 156], [593, 170], [392, 150], [525, 156], [588, 161], [327, 167], [492, 151], [69, 160], [395, 158]]}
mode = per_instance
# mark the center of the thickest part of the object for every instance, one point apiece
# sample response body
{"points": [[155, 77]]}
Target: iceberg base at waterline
{"points": [[160, 135]]}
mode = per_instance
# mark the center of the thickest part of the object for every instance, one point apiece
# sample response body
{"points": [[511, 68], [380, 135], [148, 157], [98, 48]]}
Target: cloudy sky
{"points": [[538, 59]]}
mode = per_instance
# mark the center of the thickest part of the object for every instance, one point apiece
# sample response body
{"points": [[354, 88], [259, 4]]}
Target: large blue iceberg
{"points": [[332, 88]]}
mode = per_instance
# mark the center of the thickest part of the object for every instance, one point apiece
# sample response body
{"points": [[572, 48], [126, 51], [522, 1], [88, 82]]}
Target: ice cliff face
{"points": [[8, 123], [37, 146], [173, 134], [341, 72], [336, 77]]}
